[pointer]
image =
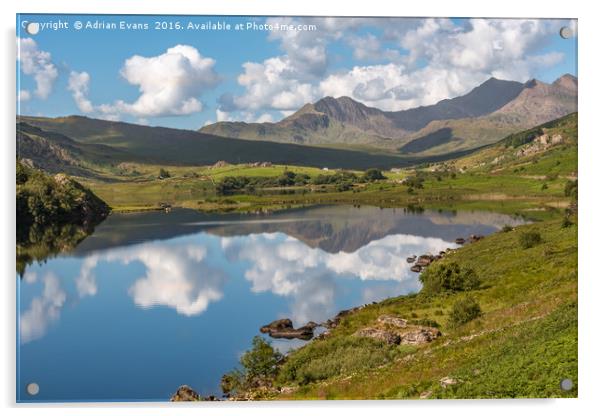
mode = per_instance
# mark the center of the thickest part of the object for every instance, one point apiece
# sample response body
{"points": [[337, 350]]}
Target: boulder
{"points": [[424, 260], [277, 325], [416, 269], [421, 335], [411, 259], [283, 328], [445, 382], [474, 238], [379, 334], [392, 320], [304, 333], [185, 394], [460, 240]]}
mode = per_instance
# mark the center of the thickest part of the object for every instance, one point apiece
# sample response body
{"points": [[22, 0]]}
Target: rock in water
{"points": [[277, 325], [185, 394], [283, 328]]}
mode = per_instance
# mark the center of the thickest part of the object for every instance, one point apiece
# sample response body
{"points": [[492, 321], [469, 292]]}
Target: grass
{"points": [[522, 345]]}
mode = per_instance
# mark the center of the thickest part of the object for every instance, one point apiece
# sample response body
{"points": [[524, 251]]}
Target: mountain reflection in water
{"points": [[141, 281]]}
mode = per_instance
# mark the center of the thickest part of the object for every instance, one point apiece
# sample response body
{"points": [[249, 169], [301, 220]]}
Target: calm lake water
{"points": [[155, 300]]}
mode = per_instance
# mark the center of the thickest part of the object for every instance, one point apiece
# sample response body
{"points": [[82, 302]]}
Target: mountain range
{"points": [[332, 132], [486, 114]]}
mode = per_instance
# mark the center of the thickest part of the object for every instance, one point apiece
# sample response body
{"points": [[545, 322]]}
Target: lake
{"points": [[154, 300]]}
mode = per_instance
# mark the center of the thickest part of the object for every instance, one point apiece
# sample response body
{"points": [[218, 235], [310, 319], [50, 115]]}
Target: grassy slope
{"points": [[522, 346], [174, 147]]}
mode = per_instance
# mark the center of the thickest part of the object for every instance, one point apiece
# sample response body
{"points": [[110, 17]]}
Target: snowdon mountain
{"points": [[486, 114]]}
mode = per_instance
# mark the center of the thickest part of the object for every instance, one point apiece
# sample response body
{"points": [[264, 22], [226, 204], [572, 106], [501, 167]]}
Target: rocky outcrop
{"points": [[393, 329], [185, 394], [283, 328], [420, 336], [388, 337], [392, 320]]}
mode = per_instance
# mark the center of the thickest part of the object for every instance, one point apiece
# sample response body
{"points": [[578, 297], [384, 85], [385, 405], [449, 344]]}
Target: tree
{"points": [[373, 175], [443, 277], [259, 368]]}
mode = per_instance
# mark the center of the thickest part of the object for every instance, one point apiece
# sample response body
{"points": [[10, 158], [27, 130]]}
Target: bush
{"points": [[442, 277], [507, 228], [463, 311], [414, 182], [529, 239], [163, 174], [334, 357], [259, 368], [373, 175]]}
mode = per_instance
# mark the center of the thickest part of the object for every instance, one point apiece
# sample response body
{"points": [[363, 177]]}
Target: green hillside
{"points": [[173, 147]]}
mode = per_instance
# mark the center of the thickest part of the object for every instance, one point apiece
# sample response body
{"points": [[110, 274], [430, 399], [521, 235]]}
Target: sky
{"points": [[186, 71]]}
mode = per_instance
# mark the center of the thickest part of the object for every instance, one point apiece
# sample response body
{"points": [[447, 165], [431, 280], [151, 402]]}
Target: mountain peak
{"points": [[567, 81]]}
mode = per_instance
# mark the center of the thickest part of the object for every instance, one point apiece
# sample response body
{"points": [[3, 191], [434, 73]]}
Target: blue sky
{"points": [[187, 77]]}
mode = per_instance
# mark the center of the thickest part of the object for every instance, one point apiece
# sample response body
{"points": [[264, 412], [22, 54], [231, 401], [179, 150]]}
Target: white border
{"points": [[590, 132]]}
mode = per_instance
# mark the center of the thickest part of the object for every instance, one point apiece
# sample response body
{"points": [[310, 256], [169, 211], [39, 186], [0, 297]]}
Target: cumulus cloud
{"points": [[271, 85], [78, 85], [43, 310], [37, 63], [170, 84]]}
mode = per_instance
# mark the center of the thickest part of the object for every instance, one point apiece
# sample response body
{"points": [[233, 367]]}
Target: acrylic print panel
{"points": [[297, 208]]}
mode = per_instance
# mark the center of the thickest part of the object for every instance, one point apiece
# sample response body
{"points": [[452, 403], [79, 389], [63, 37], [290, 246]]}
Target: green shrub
{"points": [[414, 182], [163, 174], [259, 368], [507, 228], [320, 360], [464, 310], [529, 239], [373, 175], [442, 277]]}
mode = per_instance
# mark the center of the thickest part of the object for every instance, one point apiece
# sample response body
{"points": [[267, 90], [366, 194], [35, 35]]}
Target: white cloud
{"points": [[24, 95], [265, 118], [170, 84], [78, 85], [271, 85], [43, 310], [37, 63]]}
